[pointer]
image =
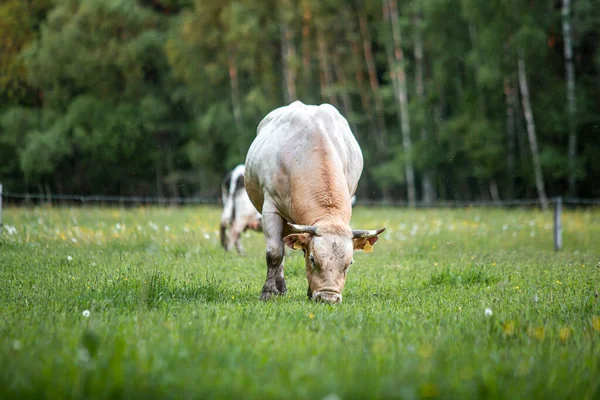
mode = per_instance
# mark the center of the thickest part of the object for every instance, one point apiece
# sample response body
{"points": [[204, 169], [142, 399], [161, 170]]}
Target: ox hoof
{"points": [[269, 292], [281, 286]]}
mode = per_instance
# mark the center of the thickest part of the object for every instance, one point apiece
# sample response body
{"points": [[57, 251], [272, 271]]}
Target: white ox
{"points": [[303, 167], [238, 212]]}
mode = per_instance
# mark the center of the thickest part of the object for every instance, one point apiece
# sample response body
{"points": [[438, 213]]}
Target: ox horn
{"points": [[303, 228], [366, 233]]}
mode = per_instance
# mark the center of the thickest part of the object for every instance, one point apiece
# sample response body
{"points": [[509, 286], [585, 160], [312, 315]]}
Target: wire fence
{"points": [[24, 198], [557, 202]]}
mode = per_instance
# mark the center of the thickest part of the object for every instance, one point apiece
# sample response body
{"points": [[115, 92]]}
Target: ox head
{"points": [[328, 254]]}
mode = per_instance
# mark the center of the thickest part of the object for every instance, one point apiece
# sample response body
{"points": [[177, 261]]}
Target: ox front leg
{"points": [[273, 228]]}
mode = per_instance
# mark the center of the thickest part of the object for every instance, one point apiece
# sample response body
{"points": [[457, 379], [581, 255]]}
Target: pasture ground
{"points": [[173, 316]]}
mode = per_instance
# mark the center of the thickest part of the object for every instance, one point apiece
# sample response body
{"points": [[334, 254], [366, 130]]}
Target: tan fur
{"points": [[303, 167]]}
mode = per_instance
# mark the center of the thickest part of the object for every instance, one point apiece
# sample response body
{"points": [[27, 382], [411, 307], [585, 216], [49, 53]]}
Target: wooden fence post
{"points": [[557, 224]]}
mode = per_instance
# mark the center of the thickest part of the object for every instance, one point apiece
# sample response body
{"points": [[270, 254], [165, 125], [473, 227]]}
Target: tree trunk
{"points": [[474, 36], [381, 140], [235, 87], [288, 53], [403, 100], [326, 80], [342, 79], [510, 99], [571, 104], [306, 48], [428, 189], [537, 168]]}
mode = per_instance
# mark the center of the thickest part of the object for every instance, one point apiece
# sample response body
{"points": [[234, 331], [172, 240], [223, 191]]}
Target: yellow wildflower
{"points": [[425, 350], [537, 333], [509, 328], [565, 333], [311, 315], [596, 323]]}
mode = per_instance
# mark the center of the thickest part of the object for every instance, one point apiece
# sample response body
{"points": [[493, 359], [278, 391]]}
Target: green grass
{"points": [[174, 316]]}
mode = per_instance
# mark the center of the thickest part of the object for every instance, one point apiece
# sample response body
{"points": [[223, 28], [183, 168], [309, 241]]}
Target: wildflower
{"points": [[493, 264], [537, 333], [558, 282], [596, 324], [425, 350], [535, 298], [16, 345], [311, 315], [206, 236], [167, 228], [73, 240], [11, 230], [565, 333], [86, 313], [69, 258], [435, 264], [83, 355], [488, 312], [232, 297], [508, 327]]}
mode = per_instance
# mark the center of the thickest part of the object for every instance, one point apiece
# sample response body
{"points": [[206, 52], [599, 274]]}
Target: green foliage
{"points": [[162, 97], [172, 315]]}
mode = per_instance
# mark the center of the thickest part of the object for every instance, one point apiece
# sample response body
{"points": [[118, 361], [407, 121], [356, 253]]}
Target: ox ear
{"points": [[364, 240], [298, 241]]}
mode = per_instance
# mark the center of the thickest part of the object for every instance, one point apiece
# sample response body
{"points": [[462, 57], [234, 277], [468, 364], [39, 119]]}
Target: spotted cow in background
{"points": [[238, 212]]}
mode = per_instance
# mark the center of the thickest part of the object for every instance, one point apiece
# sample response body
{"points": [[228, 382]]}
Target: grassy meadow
{"points": [[172, 316]]}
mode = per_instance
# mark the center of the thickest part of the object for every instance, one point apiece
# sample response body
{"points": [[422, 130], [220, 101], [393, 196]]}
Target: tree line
{"points": [[453, 100]]}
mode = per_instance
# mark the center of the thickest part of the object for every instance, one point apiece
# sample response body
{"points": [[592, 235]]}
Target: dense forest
{"points": [[449, 99]]}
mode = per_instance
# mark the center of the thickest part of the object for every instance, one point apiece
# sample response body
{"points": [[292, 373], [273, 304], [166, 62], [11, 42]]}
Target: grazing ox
{"points": [[238, 212], [303, 167]]}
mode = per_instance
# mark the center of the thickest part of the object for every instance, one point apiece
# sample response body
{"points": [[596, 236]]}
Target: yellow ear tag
{"points": [[368, 248], [297, 246]]}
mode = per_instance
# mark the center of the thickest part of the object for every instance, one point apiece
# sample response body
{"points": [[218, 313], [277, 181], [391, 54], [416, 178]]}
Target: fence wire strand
{"points": [[58, 198]]}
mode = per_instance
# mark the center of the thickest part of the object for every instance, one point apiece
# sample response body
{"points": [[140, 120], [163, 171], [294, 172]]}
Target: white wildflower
{"points": [[16, 345], [73, 240], [83, 355], [69, 258], [11, 230], [167, 228], [117, 226], [488, 312], [86, 313], [153, 226], [206, 236]]}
